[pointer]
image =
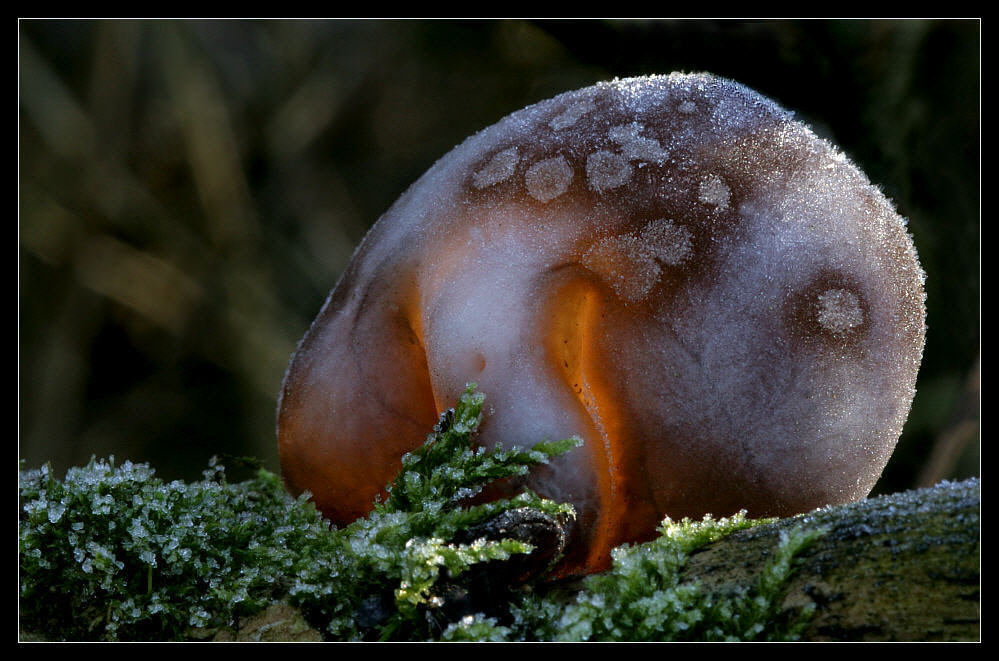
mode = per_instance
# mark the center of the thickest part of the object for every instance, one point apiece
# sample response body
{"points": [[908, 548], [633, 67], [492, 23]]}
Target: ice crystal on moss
{"points": [[114, 553], [133, 558], [642, 597], [155, 561]]}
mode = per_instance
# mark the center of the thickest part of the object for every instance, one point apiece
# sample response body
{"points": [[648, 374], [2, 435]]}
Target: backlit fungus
{"points": [[717, 301]]}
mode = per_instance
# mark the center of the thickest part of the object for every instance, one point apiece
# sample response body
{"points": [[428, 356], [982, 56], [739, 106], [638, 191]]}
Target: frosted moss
{"points": [[643, 598], [154, 558], [175, 560], [164, 558]]}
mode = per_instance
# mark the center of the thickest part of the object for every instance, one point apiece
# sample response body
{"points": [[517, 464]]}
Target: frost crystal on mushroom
{"points": [[672, 268], [548, 179], [572, 114], [668, 241], [606, 170], [499, 168], [713, 191], [635, 147], [839, 310], [625, 264], [630, 263]]}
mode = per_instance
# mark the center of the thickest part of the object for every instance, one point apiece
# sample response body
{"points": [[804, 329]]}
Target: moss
{"points": [[643, 597], [111, 552]]}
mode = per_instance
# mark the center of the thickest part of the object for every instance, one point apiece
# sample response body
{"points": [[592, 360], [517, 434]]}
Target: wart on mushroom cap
{"points": [[671, 267]]}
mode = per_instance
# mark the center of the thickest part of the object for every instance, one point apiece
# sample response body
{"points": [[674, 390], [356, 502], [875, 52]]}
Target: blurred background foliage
{"points": [[189, 191]]}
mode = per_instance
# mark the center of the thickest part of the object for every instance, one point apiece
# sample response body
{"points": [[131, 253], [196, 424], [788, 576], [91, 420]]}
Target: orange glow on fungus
{"points": [[672, 268]]}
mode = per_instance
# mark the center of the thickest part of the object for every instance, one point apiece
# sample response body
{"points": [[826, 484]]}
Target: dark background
{"points": [[190, 191]]}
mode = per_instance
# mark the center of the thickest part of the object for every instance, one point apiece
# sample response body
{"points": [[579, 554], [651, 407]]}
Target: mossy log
{"points": [[903, 567]]}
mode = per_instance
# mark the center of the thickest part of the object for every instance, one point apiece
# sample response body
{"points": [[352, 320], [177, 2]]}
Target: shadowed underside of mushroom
{"points": [[672, 268]]}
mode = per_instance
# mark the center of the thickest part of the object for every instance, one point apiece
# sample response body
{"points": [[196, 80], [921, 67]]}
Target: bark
{"points": [[904, 567]]}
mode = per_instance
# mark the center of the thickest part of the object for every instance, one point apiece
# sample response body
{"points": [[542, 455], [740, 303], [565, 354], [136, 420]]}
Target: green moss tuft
{"points": [[642, 597], [114, 553]]}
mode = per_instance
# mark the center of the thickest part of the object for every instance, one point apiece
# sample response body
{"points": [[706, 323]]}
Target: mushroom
{"points": [[672, 268]]}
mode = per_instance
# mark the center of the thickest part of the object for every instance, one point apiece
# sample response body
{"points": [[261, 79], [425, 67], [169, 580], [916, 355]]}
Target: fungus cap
{"points": [[672, 268]]}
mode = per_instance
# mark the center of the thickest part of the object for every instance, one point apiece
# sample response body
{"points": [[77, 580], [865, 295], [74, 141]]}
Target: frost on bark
{"points": [[902, 567]]}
